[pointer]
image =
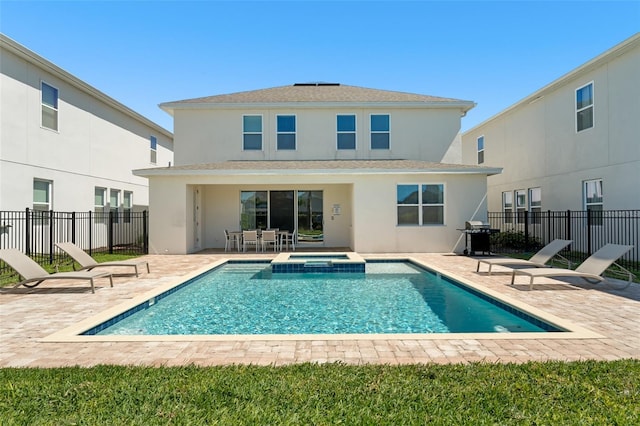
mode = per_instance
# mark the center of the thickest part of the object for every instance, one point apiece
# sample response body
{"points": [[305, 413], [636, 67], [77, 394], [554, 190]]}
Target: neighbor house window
{"points": [[127, 206], [114, 204], [481, 150], [584, 107], [41, 201], [379, 131], [252, 132], [535, 204], [99, 204], [346, 128], [593, 201], [507, 206], [286, 132], [420, 204], [49, 106], [153, 145], [521, 205]]}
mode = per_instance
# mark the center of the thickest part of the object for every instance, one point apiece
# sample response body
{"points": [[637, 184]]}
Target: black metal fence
{"points": [[589, 230], [35, 232]]}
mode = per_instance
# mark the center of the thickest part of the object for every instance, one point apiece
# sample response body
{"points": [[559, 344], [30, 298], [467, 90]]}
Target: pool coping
{"points": [[73, 333]]}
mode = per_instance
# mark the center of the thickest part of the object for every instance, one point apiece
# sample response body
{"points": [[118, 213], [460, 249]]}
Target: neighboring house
{"points": [[342, 166], [66, 146], [572, 145]]}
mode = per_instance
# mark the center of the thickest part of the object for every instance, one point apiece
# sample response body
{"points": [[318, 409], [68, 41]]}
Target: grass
{"points": [[541, 393], [63, 264]]}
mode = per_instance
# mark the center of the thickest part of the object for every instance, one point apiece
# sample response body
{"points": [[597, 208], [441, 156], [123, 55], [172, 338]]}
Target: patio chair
{"points": [[228, 241], [590, 270], [538, 260], [88, 263], [249, 238], [33, 274], [291, 238], [269, 237]]}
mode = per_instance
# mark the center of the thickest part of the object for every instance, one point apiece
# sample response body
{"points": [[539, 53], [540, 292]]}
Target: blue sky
{"points": [[494, 53]]}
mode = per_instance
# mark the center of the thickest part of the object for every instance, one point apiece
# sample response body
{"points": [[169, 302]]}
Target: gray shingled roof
{"points": [[321, 92], [306, 166]]}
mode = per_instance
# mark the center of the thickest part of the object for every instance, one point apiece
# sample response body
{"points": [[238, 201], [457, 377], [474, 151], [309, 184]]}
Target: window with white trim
{"points": [[535, 204], [153, 146], [41, 201], [593, 200], [584, 107], [252, 132], [481, 150], [521, 205], [127, 206], [420, 204], [49, 118], [379, 131], [100, 204], [507, 206], [346, 129], [114, 204], [286, 132]]}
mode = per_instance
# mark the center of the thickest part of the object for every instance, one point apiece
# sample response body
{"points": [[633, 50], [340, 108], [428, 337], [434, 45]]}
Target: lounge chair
{"points": [[88, 263], [590, 270], [31, 272], [538, 260]]}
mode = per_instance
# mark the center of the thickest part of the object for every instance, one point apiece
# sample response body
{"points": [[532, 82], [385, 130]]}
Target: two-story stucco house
{"points": [[66, 146], [572, 145], [342, 166]]}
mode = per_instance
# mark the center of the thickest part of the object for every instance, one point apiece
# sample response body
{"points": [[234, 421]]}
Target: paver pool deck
{"points": [[29, 315]]}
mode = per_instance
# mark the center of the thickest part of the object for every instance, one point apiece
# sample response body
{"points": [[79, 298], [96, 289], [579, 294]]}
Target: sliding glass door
{"points": [[310, 218], [282, 210]]}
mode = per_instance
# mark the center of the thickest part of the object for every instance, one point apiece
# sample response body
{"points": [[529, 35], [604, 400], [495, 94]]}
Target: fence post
{"points": [[548, 226], [589, 218], [51, 235], [73, 227], [110, 233], [27, 231], [90, 233], [145, 234], [568, 217], [526, 230]]}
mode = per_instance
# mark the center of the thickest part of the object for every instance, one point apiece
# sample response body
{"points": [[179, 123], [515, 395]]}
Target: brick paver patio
{"points": [[28, 315]]}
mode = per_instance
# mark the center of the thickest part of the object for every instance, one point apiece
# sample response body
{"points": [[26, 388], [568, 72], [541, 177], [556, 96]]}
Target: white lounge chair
{"points": [[33, 274], [88, 263], [538, 260], [591, 269]]}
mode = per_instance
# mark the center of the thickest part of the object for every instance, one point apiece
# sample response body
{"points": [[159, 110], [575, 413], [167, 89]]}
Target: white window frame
{"points": [[372, 132], [48, 205], [294, 133], [115, 209], [127, 206], [535, 206], [421, 204], [520, 199], [599, 204], [479, 142], [354, 132], [507, 206], [584, 108], [55, 109], [153, 149], [261, 132]]}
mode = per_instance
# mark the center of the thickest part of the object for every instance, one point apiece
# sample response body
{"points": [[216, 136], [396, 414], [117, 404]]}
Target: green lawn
{"points": [[549, 393]]}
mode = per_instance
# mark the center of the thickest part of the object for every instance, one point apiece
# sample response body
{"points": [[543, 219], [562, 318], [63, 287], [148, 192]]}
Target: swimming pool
{"points": [[245, 298]]}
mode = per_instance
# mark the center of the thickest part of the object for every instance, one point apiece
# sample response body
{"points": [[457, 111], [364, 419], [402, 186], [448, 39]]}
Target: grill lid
{"points": [[475, 224]]}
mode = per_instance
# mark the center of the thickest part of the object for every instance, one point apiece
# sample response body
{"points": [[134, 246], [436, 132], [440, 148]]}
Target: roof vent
{"points": [[316, 84]]}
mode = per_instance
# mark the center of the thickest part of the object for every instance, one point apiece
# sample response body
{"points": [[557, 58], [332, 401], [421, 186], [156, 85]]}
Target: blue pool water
{"points": [[245, 298]]}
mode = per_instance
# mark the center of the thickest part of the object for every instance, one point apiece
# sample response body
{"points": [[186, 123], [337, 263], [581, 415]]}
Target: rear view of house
{"points": [[341, 166]]}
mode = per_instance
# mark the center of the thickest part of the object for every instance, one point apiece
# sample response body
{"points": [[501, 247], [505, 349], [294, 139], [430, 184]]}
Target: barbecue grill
{"points": [[479, 233]]}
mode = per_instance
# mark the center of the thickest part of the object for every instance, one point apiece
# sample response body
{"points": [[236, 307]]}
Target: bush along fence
{"points": [[589, 230], [35, 232]]}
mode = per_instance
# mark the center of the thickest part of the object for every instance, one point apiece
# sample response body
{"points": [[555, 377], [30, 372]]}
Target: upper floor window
{"points": [[593, 200], [481, 150], [535, 204], [507, 206], [252, 132], [584, 107], [420, 204], [346, 128], [286, 131], [379, 131], [49, 106], [153, 145]]}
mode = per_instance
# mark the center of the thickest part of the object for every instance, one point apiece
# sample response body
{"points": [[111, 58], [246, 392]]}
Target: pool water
{"points": [[245, 298]]}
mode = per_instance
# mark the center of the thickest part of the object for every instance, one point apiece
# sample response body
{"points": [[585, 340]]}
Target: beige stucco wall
{"points": [[95, 145], [537, 144], [367, 223], [212, 135]]}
